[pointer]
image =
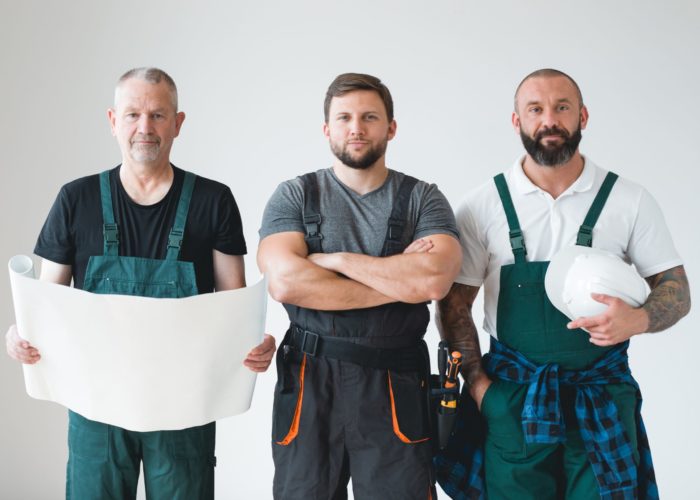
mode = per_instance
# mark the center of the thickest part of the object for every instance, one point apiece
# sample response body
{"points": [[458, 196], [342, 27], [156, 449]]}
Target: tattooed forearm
{"points": [[456, 326], [669, 300]]}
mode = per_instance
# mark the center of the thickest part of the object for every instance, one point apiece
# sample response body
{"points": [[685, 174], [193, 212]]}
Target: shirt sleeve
{"points": [[284, 210], [436, 216], [475, 257], [651, 247], [229, 230], [56, 242]]}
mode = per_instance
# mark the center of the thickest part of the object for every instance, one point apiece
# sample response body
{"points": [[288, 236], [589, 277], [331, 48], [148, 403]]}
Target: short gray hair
{"points": [[150, 75]]}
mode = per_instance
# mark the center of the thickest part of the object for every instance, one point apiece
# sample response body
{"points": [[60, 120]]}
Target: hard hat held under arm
{"points": [[577, 272]]}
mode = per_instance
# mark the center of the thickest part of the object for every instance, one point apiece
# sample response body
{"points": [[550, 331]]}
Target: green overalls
{"points": [[104, 460], [528, 322]]}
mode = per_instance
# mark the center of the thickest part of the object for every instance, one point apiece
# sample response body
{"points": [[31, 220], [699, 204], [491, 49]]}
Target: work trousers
{"points": [[539, 471], [104, 462], [342, 420]]}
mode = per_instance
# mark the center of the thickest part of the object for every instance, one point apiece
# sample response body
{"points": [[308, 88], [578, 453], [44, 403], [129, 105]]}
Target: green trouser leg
{"points": [[514, 471], [580, 480], [179, 465], [519, 470], [104, 462]]}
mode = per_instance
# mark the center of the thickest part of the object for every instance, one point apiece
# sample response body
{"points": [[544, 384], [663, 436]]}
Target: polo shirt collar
{"points": [[523, 185]]}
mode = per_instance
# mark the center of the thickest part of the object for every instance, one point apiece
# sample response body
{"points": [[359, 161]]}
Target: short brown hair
{"points": [[547, 73], [151, 75], [347, 82]]}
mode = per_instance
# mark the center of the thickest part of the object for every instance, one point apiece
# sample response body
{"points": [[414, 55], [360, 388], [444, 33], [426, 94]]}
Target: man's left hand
{"points": [[619, 322], [260, 357]]}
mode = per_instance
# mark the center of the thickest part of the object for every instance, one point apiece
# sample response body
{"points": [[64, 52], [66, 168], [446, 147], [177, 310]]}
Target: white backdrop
{"points": [[252, 77]]}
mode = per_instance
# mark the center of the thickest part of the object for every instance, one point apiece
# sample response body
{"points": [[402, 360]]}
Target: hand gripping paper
{"points": [[139, 363]]}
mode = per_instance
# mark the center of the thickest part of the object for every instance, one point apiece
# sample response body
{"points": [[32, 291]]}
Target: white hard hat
{"points": [[577, 271]]}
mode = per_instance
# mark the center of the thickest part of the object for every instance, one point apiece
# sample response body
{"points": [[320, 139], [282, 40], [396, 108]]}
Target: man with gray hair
{"points": [[116, 232]]}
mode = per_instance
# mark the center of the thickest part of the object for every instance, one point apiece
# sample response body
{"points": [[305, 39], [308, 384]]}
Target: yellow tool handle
{"points": [[453, 369]]}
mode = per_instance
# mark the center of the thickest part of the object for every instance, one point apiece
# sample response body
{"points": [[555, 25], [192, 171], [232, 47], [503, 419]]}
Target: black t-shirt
{"points": [[72, 232]]}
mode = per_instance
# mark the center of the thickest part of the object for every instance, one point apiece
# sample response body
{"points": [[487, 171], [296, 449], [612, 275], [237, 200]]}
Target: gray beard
{"points": [[145, 154]]}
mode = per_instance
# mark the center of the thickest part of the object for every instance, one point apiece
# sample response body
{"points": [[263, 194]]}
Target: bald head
{"points": [[548, 73], [150, 75]]}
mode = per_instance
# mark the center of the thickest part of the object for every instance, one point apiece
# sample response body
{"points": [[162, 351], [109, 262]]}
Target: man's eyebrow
{"points": [[536, 101]]}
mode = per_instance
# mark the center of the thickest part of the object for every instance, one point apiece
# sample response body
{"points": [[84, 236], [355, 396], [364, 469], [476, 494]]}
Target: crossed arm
{"points": [[343, 280]]}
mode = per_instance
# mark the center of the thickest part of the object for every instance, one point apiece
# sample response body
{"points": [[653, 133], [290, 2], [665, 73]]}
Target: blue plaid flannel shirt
{"points": [[609, 449]]}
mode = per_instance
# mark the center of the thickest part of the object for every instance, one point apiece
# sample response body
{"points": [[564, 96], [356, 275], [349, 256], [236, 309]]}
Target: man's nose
{"points": [[145, 124], [356, 126], [549, 118]]}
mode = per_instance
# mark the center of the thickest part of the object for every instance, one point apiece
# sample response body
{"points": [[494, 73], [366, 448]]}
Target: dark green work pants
{"points": [[104, 462], [520, 470]]}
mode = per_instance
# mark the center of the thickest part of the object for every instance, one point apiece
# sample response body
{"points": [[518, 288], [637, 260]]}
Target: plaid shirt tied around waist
{"points": [[608, 447]]}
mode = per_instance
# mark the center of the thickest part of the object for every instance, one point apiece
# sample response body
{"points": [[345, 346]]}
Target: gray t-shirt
{"points": [[358, 223]]}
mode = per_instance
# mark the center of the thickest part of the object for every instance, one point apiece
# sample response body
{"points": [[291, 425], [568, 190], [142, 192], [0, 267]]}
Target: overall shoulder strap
{"points": [[397, 220], [585, 232], [110, 232], [312, 213], [183, 207], [517, 242]]}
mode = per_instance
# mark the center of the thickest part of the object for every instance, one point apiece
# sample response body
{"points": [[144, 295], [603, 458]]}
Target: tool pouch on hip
{"points": [[442, 419]]}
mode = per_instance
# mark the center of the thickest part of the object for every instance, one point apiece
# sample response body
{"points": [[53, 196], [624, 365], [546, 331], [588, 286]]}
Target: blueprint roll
{"points": [[98, 349], [21, 265], [21, 268], [22, 276]]}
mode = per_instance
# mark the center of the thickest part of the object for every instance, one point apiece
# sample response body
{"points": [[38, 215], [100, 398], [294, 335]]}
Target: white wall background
{"points": [[252, 77]]}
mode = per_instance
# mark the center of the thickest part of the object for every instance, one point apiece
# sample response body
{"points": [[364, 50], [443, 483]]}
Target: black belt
{"points": [[402, 359]]}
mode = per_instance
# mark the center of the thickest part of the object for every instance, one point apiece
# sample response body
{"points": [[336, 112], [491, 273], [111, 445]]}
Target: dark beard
{"points": [[363, 162], [553, 155]]}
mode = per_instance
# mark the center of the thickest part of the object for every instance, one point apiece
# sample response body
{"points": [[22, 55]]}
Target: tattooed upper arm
{"points": [[669, 299], [456, 326]]}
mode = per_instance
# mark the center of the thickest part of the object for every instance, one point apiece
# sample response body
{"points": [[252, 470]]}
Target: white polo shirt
{"points": [[631, 226]]}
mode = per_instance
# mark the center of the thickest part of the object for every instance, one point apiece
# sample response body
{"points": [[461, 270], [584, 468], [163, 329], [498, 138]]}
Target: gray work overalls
{"points": [[351, 396]]}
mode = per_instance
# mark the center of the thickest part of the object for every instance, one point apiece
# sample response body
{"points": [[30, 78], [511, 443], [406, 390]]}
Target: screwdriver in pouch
{"points": [[449, 400], [447, 411]]}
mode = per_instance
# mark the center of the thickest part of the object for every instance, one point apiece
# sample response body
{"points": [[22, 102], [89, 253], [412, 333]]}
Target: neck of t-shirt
{"points": [[362, 181]]}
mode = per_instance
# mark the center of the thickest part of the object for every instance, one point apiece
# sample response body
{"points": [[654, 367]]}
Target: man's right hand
{"points": [[20, 349], [478, 388]]}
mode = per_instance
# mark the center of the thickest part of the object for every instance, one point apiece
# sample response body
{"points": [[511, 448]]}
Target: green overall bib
{"points": [[528, 322], [104, 460]]}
